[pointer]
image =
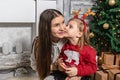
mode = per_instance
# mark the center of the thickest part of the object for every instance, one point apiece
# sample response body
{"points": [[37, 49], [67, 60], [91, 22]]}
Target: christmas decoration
{"points": [[76, 13], [100, 60], [108, 64], [87, 13], [111, 2], [105, 25], [91, 35]]}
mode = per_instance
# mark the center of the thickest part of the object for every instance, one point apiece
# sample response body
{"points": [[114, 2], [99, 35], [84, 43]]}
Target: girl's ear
{"points": [[79, 34]]}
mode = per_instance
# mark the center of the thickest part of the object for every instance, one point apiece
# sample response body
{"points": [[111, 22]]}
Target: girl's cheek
{"points": [[67, 27], [66, 30]]}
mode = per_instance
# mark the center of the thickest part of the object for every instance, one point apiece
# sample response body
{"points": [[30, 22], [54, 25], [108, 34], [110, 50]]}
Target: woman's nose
{"points": [[62, 27]]}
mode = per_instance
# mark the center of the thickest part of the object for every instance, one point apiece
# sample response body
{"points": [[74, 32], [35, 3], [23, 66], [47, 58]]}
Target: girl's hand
{"points": [[59, 61], [61, 65], [71, 71]]}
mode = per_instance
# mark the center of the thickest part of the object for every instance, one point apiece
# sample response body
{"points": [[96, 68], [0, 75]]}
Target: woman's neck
{"points": [[55, 40]]}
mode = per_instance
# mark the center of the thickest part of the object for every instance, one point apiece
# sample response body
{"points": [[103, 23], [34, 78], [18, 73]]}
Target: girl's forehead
{"points": [[72, 21]]}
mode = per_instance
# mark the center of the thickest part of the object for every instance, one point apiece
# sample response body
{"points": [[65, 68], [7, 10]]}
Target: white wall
{"points": [[14, 33], [17, 11], [41, 6]]}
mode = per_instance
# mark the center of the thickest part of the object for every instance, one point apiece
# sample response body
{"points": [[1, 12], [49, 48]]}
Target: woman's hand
{"points": [[71, 71]]}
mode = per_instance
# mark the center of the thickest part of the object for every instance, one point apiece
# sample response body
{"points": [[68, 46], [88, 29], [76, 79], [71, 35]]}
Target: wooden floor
{"points": [[24, 78], [9, 75]]}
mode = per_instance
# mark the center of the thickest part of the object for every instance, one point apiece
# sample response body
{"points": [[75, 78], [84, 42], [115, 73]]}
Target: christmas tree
{"points": [[105, 26]]}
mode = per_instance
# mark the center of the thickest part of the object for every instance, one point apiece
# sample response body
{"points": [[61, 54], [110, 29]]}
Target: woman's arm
{"points": [[33, 62]]}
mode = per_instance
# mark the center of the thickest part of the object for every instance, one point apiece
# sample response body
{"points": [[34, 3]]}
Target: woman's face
{"points": [[57, 28]]}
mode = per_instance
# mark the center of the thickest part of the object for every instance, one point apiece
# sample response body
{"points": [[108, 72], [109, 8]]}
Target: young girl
{"points": [[79, 58]]}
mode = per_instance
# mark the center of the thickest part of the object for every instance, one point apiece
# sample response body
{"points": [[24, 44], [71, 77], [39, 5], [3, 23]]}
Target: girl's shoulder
{"points": [[89, 48]]}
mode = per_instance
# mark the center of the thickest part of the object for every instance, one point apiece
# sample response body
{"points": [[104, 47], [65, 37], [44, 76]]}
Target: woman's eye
{"points": [[56, 24]]}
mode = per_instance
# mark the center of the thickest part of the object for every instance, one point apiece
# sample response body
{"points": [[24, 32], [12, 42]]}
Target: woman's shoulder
{"points": [[35, 43], [36, 40]]}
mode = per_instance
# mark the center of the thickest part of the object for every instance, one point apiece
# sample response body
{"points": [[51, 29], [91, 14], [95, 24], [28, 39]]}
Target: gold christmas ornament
{"points": [[112, 2], [91, 35], [100, 60], [119, 10], [100, 14], [115, 33], [100, 1], [116, 25], [101, 42], [113, 28], [105, 25], [105, 44]]}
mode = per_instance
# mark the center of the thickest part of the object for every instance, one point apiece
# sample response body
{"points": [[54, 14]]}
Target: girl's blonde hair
{"points": [[84, 39]]}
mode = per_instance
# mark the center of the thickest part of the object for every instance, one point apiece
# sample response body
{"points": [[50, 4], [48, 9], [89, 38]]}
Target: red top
{"points": [[84, 59]]}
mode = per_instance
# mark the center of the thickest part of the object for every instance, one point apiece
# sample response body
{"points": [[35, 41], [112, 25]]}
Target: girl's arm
{"points": [[89, 65]]}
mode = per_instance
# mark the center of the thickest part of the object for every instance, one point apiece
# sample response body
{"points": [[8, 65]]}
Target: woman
{"points": [[48, 44]]}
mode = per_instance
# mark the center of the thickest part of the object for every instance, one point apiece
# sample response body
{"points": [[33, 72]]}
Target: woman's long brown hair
{"points": [[44, 52]]}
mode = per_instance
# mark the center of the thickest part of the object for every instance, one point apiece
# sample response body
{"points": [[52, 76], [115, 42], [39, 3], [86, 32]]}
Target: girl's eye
{"points": [[67, 25], [63, 22], [70, 26]]}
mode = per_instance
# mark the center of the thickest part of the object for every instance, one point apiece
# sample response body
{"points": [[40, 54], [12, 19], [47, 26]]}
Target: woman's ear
{"points": [[79, 34]]}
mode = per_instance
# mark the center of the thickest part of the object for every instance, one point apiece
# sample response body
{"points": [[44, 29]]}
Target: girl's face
{"points": [[72, 30], [57, 28]]}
